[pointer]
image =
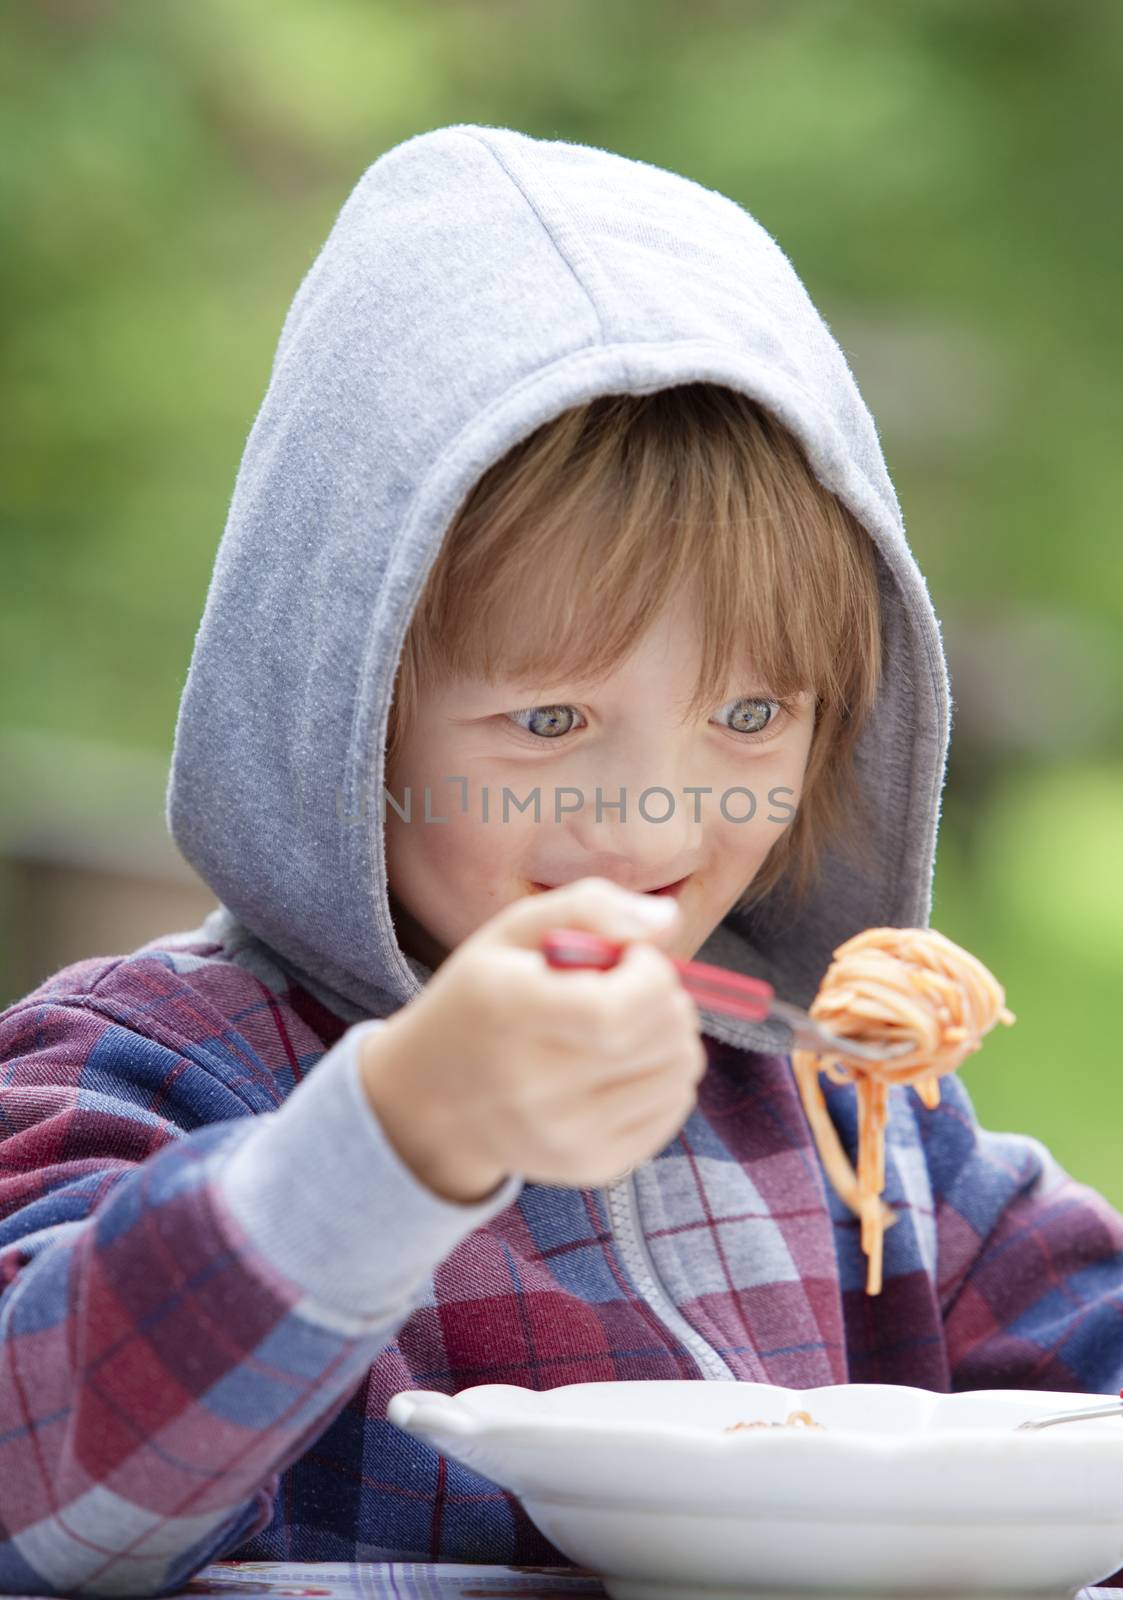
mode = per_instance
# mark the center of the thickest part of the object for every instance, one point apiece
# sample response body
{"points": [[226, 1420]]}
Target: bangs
{"points": [[569, 548]]}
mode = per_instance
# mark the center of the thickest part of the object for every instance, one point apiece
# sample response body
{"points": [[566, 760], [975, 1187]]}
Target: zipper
{"points": [[622, 1205]]}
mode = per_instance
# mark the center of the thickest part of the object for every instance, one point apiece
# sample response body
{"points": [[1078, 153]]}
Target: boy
{"points": [[560, 487]]}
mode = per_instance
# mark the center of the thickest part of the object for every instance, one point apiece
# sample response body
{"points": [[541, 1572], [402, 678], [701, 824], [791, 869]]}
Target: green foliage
{"points": [[168, 172], [1041, 903]]}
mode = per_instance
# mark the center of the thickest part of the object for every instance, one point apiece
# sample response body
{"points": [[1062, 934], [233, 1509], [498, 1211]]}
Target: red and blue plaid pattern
{"points": [[167, 1401]]}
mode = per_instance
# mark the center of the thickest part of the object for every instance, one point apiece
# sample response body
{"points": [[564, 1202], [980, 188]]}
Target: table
{"points": [[409, 1580], [398, 1580]]}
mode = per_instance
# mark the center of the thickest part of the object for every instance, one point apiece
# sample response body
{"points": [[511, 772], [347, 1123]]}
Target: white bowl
{"points": [[906, 1492]]}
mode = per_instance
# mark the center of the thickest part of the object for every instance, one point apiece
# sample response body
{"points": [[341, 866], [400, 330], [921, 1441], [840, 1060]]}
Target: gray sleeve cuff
{"points": [[327, 1200]]}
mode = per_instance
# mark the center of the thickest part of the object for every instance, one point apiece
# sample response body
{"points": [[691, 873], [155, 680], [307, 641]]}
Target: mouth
{"points": [[666, 888]]}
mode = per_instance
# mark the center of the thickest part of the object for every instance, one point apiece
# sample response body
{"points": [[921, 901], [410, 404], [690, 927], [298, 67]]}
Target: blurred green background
{"points": [[943, 174]]}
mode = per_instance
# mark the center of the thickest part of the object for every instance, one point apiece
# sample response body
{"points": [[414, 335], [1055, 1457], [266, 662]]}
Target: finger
{"points": [[595, 905], [645, 983], [623, 1008], [647, 1135], [673, 1053], [628, 1094]]}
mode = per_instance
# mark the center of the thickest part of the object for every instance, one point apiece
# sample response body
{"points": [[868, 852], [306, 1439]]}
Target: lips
{"points": [[666, 888]]}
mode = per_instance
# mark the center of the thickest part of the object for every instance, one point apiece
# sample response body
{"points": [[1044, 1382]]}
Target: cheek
{"points": [[464, 850], [450, 847], [740, 844]]}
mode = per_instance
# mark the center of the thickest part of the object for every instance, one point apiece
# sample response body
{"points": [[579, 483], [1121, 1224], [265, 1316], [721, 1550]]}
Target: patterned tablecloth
{"points": [[398, 1580], [408, 1580]]}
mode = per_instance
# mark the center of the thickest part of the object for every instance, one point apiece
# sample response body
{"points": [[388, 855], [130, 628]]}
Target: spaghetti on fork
{"points": [[891, 985]]}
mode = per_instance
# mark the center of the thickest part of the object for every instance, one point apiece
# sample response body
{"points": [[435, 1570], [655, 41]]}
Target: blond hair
{"points": [[602, 514]]}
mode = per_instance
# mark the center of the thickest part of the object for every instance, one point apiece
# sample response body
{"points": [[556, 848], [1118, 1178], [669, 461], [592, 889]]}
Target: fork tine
{"points": [[812, 1035]]}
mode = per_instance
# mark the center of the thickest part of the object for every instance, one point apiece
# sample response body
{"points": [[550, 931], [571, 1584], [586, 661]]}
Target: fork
{"points": [[731, 994], [1113, 1410]]}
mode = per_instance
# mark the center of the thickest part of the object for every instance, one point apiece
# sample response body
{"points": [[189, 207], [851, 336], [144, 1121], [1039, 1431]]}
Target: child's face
{"points": [[627, 733]]}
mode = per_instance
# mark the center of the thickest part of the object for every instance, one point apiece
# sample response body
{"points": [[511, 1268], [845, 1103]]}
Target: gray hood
{"points": [[476, 283]]}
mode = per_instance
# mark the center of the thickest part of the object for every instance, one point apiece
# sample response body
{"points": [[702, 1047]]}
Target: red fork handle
{"points": [[716, 988]]}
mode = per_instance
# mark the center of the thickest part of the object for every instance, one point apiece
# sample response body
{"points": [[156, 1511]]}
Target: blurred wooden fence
{"points": [[87, 867]]}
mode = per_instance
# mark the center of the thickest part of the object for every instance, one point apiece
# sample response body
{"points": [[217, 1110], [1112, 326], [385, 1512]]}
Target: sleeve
{"points": [[184, 1308], [1029, 1261]]}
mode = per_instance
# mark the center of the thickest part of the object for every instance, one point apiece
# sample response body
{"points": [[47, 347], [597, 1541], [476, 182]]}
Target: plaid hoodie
{"points": [[214, 1270], [203, 1322]]}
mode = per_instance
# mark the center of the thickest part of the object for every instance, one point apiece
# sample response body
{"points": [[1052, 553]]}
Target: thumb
{"points": [[596, 905]]}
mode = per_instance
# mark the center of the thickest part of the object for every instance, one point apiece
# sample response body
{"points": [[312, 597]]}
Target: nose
{"points": [[653, 841]]}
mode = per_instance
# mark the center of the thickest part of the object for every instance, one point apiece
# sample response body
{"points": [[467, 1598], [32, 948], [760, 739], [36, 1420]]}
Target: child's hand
{"points": [[504, 1064]]}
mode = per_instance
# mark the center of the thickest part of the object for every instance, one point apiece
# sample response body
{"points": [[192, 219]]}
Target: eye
{"points": [[756, 718], [545, 722]]}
